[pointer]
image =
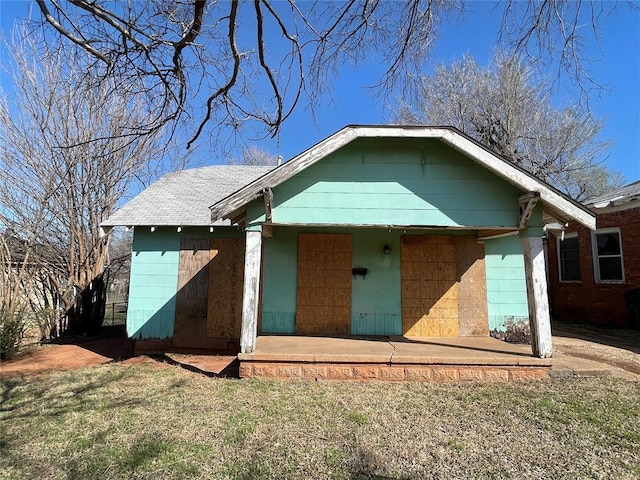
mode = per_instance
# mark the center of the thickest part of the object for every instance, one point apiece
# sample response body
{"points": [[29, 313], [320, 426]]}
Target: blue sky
{"points": [[615, 64]]}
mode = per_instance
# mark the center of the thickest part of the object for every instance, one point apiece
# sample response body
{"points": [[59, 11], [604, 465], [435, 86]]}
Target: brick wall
{"points": [[588, 301]]}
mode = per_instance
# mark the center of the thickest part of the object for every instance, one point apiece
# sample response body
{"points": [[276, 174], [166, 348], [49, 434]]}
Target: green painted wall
{"points": [[394, 182], [154, 278], [506, 285], [153, 281], [375, 299], [279, 283]]}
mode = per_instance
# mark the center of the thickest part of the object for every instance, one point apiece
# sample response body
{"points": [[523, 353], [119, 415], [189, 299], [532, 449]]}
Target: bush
{"points": [[12, 328], [516, 332]]}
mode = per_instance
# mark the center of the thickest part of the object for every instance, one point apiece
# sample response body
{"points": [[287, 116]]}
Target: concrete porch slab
{"points": [[396, 358]]}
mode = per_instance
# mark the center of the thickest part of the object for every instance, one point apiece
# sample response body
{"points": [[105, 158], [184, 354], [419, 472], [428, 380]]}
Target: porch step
{"points": [[390, 372]]}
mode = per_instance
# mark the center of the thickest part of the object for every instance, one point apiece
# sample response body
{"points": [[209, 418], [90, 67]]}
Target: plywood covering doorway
{"points": [[323, 299], [209, 294], [429, 286]]}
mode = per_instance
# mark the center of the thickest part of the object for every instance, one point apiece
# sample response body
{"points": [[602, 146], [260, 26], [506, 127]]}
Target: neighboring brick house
{"points": [[590, 272]]}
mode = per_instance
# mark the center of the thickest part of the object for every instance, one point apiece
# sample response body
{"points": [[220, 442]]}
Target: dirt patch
{"points": [[67, 356], [56, 357]]}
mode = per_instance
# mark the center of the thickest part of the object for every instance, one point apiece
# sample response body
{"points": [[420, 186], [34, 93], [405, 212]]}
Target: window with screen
{"points": [[569, 258], [607, 256]]}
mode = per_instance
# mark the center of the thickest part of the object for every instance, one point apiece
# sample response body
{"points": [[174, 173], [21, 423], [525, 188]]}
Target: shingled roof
{"points": [[620, 196], [183, 198]]}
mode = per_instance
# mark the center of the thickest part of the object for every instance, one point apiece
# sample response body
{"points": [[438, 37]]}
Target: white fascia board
{"points": [[285, 171], [520, 178]]}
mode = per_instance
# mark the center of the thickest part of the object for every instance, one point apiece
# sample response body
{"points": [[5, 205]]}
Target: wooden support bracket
{"points": [[267, 194], [526, 204]]}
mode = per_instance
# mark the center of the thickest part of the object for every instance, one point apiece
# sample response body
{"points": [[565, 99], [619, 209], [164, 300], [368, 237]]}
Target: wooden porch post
{"points": [[251, 291], [539, 319]]}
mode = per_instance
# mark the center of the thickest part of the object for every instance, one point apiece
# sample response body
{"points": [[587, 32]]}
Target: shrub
{"points": [[12, 328], [515, 332]]}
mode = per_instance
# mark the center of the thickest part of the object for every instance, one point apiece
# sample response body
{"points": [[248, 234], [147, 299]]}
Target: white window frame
{"points": [[558, 246], [594, 250]]}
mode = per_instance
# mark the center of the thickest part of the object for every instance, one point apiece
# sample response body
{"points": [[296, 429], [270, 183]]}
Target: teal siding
{"points": [[506, 284], [375, 300], [394, 182], [154, 278], [153, 281], [280, 267]]}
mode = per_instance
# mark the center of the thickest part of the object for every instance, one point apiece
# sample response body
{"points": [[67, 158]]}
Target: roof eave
{"points": [[561, 205]]}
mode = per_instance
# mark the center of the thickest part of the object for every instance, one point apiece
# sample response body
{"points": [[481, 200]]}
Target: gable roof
{"points": [[555, 203], [616, 198], [183, 198]]}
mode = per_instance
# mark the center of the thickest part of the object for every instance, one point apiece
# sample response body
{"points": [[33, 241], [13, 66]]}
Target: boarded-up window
{"points": [[323, 305]]}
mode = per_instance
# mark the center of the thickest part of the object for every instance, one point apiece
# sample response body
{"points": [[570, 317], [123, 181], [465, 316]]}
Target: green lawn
{"points": [[146, 422]]}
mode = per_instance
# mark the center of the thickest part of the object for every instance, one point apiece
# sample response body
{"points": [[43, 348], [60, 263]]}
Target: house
{"points": [[594, 275], [375, 231]]}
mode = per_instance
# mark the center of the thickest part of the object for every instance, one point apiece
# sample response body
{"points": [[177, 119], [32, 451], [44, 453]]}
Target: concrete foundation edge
{"points": [[386, 372]]}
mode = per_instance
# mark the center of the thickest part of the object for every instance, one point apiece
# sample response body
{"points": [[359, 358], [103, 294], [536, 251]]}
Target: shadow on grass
{"points": [[232, 370], [22, 398]]}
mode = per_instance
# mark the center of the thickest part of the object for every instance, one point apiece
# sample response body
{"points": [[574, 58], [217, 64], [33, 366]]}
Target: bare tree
{"points": [[510, 110], [212, 60], [255, 156], [67, 160]]}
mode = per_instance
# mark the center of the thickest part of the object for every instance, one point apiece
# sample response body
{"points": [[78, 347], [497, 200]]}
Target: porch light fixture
{"points": [[386, 250], [210, 229], [179, 229], [153, 229]]}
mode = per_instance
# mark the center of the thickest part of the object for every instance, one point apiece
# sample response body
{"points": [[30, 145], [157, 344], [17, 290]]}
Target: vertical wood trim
{"points": [[538, 300], [251, 291]]}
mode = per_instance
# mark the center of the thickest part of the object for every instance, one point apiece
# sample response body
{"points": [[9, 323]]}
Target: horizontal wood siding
{"points": [[506, 284], [375, 300], [394, 182], [280, 274], [152, 288]]}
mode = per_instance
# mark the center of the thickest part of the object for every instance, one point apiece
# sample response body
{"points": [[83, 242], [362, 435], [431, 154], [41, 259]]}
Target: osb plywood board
{"points": [[324, 284], [226, 275], [472, 289], [429, 286], [190, 324]]}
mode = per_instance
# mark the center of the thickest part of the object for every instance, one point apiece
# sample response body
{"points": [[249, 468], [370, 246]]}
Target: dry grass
{"points": [[139, 422]]}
